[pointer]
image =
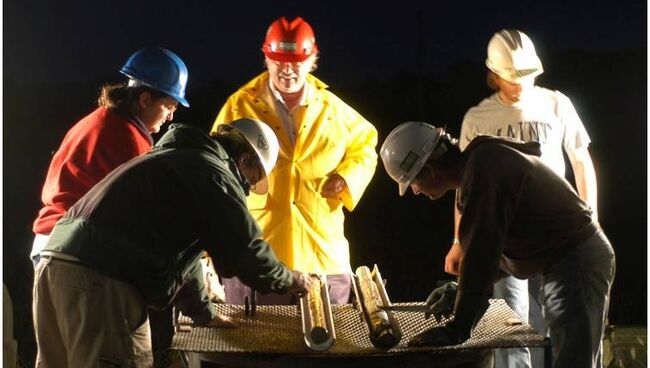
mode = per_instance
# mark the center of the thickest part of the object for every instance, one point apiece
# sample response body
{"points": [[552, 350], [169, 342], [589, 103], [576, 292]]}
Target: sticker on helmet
{"points": [[261, 143], [409, 161], [288, 46]]}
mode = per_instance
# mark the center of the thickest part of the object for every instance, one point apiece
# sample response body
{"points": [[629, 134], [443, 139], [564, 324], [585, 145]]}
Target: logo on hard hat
{"points": [[261, 143], [409, 161], [288, 46]]}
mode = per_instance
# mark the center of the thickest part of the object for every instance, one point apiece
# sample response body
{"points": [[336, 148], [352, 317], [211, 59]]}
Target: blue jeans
{"points": [[575, 293], [515, 292]]}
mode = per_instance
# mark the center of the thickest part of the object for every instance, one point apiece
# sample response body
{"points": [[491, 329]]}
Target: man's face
{"points": [[251, 167], [430, 183], [513, 92], [289, 77]]}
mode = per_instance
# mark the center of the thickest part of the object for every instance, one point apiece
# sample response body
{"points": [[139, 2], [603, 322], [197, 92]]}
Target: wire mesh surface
{"points": [[277, 330]]}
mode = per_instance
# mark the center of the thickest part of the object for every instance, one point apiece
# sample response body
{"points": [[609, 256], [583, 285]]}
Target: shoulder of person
{"points": [[556, 95], [253, 87], [486, 105], [108, 123]]}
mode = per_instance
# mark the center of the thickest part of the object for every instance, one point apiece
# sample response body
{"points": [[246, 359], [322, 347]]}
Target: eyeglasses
{"points": [[295, 66]]}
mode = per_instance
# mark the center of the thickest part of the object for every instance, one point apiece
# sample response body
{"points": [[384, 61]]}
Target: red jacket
{"points": [[94, 146]]}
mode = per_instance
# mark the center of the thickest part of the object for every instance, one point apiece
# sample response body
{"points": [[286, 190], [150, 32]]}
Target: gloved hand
{"points": [[301, 283], [440, 302], [451, 334]]}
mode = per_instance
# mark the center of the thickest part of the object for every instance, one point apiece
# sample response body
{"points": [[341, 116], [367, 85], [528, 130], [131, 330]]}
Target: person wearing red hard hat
{"points": [[291, 41], [327, 158]]}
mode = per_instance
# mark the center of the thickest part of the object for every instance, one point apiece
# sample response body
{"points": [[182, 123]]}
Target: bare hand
{"points": [[301, 283], [333, 186], [453, 259], [220, 321]]}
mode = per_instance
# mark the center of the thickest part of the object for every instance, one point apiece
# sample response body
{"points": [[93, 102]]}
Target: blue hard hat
{"points": [[159, 69]]}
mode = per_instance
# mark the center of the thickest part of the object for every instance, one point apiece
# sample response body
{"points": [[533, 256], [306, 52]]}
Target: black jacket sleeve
{"points": [[486, 216], [192, 298], [232, 238]]}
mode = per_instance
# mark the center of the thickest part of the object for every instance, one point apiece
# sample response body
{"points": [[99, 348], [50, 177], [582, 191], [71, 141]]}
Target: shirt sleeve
{"points": [[487, 212], [467, 131], [232, 238], [575, 134], [360, 160]]}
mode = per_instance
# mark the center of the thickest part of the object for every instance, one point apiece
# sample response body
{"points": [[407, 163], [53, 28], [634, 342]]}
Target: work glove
{"points": [[440, 302], [301, 283], [450, 334]]}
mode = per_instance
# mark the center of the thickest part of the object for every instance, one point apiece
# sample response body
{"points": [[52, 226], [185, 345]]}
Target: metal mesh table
{"points": [[275, 331]]}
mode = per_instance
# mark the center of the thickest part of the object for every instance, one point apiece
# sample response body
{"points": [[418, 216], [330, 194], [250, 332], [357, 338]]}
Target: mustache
{"points": [[287, 75]]}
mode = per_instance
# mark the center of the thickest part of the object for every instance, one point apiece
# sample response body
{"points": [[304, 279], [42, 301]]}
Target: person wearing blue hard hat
{"points": [[117, 130], [159, 69]]}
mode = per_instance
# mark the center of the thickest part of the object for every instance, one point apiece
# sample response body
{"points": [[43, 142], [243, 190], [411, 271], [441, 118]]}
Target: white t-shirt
{"points": [[542, 115]]}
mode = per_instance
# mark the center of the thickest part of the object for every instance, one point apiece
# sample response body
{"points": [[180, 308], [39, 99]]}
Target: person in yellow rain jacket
{"points": [[327, 158]]}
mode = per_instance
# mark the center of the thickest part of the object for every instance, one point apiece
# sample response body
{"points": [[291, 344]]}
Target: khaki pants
{"points": [[84, 319]]}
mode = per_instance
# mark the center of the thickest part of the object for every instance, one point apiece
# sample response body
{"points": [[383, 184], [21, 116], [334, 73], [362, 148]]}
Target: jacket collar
{"points": [[260, 83]]}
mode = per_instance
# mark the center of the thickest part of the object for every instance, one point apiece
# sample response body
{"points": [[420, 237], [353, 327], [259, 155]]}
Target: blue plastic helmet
{"points": [[159, 69]]}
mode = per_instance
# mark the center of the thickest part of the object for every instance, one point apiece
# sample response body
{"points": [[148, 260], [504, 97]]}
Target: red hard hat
{"points": [[290, 41]]}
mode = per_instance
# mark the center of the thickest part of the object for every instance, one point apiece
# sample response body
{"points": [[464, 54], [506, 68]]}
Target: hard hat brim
{"points": [[181, 100], [287, 58], [513, 77], [402, 188], [519, 79]]}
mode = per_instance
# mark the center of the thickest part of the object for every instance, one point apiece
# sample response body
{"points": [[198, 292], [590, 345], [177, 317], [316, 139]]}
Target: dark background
{"points": [[408, 60]]}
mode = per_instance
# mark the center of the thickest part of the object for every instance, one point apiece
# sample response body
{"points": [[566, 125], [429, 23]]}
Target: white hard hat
{"points": [[263, 140], [511, 55], [407, 148]]}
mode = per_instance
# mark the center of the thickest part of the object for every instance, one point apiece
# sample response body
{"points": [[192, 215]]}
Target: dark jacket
{"points": [[517, 215], [148, 222]]}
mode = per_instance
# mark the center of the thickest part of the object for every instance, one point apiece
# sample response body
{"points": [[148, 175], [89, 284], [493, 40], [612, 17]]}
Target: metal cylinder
{"points": [[381, 332], [317, 313]]}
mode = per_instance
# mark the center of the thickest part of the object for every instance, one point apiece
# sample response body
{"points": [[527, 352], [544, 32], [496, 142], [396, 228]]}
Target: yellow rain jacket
{"points": [[305, 229]]}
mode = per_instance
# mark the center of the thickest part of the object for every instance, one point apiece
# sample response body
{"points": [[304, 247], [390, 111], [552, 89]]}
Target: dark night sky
{"points": [[77, 40], [410, 60]]}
